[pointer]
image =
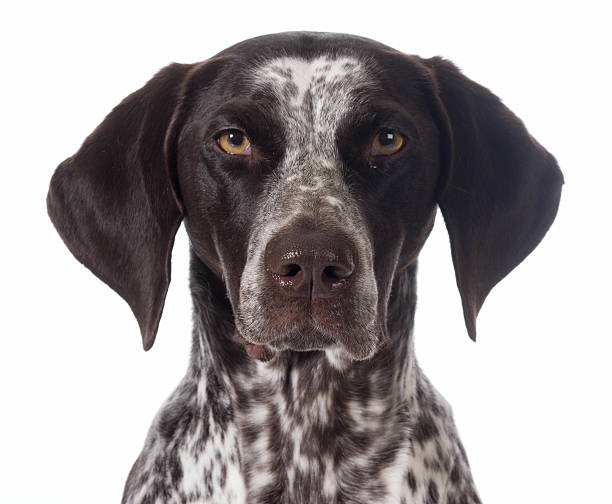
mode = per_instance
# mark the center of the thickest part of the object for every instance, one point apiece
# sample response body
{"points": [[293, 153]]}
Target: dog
{"points": [[308, 169]]}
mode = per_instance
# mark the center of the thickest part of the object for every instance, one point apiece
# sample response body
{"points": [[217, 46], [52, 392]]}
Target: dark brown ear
{"points": [[113, 203], [502, 188]]}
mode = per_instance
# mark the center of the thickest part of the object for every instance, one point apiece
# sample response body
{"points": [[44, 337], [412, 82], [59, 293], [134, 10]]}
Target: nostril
{"points": [[333, 277], [289, 270], [336, 272]]}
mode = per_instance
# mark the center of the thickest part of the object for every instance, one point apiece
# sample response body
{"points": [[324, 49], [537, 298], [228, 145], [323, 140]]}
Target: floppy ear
{"points": [[502, 188], [113, 202]]}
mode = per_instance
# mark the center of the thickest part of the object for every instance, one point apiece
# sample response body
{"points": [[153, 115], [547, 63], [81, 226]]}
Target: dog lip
{"points": [[254, 351], [287, 341]]}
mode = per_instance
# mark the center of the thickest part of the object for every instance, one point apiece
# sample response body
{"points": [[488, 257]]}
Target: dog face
{"points": [[308, 227], [308, 169]]}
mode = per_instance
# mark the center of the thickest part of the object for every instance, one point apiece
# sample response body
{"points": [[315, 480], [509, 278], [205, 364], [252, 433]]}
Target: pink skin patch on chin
{"points": [[254, 351]]}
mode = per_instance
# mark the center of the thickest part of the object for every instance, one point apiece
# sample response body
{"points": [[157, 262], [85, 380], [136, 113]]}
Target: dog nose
{"points": [[312, 264]]}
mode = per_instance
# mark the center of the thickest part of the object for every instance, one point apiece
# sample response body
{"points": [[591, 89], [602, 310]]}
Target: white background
{"points": [[531, 398]]}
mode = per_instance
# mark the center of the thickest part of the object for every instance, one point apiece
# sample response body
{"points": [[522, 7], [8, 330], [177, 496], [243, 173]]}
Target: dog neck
{"points": [[312, 423]]}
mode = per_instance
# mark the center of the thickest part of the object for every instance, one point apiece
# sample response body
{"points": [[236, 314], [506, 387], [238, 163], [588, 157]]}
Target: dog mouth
{"points": [[306, 339], [318, 326], [255, 351]]}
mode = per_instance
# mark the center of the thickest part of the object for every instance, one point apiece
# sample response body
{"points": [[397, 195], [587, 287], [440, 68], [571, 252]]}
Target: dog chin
{"points": [[305, 339], [300, 342]]}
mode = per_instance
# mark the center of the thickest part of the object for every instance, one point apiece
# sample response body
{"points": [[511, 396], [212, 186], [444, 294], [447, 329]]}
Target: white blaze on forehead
{"points": [[314, 95], [299, 76]]}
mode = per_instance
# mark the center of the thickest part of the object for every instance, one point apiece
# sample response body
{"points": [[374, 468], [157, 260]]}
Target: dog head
{"points": [[308, 169]]}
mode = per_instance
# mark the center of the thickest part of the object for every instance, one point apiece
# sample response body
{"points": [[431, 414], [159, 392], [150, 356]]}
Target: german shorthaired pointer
{"points": [[308, 169]]}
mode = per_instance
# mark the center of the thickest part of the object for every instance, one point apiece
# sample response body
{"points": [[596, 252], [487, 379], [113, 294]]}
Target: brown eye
{"points": [[387, 141], [234, 141]]}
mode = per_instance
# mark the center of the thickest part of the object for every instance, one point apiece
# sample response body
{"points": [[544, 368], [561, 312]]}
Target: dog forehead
{"points": [[312, 95], [319, 89], [296, 76]]}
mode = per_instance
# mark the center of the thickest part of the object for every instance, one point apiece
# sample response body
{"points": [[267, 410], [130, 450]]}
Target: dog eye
{"points": [[234, 141], [387, 141]]}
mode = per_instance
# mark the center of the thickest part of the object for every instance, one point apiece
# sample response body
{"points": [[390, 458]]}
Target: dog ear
{"points": [[501, 190], [113, 201]]}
